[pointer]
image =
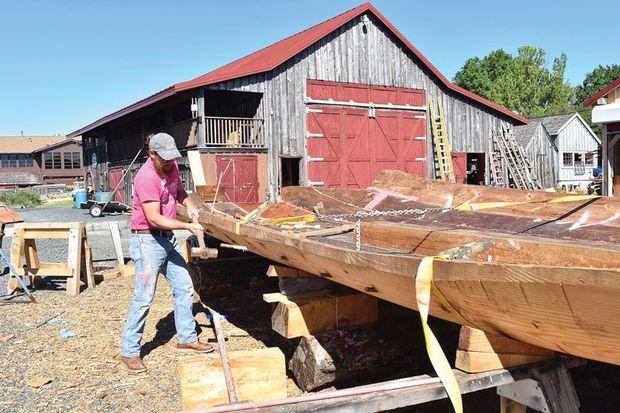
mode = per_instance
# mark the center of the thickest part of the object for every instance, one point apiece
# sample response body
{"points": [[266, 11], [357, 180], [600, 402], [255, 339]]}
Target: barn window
{"points": [[29, 161], [567, 159], [12, 161], [578, 157], [4, 161], [589, 158], [21, 161]]}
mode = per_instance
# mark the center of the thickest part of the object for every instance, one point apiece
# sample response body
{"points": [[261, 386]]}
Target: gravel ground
{"points": [[84, 372]]}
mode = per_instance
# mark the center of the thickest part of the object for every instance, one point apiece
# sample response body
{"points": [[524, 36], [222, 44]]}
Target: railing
{"points": [[184, 133], [234, 132]]}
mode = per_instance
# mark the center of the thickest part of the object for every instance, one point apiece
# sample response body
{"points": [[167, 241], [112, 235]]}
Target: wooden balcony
{"points": [[234, 132]]}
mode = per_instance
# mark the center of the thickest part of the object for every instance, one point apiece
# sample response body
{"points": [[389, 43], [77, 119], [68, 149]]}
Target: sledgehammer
{"points": [[202, 251]]}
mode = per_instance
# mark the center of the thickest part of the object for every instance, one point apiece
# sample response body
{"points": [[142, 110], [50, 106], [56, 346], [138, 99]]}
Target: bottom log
{"points": [[343, 355]]}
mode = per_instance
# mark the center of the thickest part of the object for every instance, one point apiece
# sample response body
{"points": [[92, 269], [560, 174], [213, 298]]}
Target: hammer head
{"points": [[204, 253]]}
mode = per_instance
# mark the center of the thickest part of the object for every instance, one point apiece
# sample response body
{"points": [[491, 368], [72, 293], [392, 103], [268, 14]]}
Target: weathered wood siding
{"points": [[542, 155], [575, 137], [362, 51]]}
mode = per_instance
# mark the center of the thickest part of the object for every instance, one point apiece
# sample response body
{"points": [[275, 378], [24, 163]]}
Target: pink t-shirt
{"points": [[148, 186]]}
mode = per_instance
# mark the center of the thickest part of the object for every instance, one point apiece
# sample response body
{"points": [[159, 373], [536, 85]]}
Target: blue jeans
{"points": [[153, 254]]}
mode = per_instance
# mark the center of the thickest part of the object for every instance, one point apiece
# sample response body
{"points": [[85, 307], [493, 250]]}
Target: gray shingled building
{"points": [[562, 149]]}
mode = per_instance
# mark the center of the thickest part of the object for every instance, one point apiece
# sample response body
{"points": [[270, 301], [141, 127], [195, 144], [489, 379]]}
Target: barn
{"points": [[330, 106]]}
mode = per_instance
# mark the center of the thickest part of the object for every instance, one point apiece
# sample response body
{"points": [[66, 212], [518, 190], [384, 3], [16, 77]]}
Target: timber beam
{"points": [[307, 314]]}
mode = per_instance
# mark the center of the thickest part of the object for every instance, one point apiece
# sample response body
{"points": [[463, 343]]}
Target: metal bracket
{"points": [[528, 392]]}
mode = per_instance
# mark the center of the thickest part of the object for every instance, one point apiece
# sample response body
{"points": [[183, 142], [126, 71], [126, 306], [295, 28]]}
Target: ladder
{"points": [[441, 144], [518, 166], [497, 174]]}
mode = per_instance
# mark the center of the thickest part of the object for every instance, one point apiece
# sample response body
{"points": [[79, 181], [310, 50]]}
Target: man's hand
{"points": [[195, 228]]}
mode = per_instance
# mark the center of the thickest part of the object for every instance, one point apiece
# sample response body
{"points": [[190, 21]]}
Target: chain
{"points": [[394, 212], [365, 214]]}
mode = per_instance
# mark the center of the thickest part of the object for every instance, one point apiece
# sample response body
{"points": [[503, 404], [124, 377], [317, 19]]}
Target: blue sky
{"points": [[66, 63]]}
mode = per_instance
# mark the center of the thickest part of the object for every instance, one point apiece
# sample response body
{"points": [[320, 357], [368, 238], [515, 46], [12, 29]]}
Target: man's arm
{"points": [[185, 200], [156, 219]]}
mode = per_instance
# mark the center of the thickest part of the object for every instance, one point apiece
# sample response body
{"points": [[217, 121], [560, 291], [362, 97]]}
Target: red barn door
{"points": [[240, 179], [348, 146]]}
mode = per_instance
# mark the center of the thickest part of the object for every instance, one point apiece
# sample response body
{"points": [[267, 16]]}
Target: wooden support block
{"points": [[284, 271], [476, 362], [472, 339], [118, 246], [309, 316], [107, 276], [479, 351], [257, 374]]}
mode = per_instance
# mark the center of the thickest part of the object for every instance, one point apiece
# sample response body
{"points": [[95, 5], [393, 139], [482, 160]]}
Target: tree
{"points": [[522, 83], [593, 82]]}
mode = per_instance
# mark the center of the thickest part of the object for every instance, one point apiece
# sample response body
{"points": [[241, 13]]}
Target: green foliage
{"points": [[20, 198], [593, 82], [522, 83]]}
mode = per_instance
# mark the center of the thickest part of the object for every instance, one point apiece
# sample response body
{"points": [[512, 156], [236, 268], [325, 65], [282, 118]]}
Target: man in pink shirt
{"points": [[156, 190]]}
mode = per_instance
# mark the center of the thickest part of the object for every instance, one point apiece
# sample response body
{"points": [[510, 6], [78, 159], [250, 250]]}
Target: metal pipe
{"points": [[355, 391]]}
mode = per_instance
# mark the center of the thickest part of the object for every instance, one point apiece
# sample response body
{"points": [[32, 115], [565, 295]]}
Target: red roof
{"points": [[611, 86], [272, 56]]}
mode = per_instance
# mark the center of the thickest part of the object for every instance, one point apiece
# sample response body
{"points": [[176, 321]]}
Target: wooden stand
{"points": [[479, 351], [24, 250]]}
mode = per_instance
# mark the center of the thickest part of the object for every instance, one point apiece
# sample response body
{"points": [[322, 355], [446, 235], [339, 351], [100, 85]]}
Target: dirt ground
{"points": [[83, 372]]}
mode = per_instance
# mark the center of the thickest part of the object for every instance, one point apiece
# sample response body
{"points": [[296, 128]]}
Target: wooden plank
{"points": [[284, 271], [87, 266], [429, 240], [195, 166], [48, 225], [52, 233], [257, 375], [118, 246], [326, 231], [476, 362], [472, 339], [74, 260], [309, 316]]}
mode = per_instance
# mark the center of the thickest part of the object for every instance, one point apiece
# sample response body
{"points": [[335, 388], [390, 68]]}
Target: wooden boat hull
{"points": [[572, 310]]}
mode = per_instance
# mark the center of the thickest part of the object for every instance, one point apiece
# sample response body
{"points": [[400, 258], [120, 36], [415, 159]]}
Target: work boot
{"points": [[196, 347], [134, 364]]}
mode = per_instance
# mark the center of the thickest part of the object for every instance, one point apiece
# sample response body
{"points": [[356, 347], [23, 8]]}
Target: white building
{"points": [[569, 149]]}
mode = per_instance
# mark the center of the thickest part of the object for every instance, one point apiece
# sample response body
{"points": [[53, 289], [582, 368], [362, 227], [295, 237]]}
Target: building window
{"points": [[47, 159], [71, 160], [589, 158], [76, 160], [12, 161], [53, 160], [567, 159], [29, 161], [4, 161]]}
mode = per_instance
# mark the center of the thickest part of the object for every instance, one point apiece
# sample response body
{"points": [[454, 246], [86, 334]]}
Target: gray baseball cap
{"points": [[164, 145]]}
